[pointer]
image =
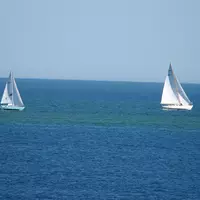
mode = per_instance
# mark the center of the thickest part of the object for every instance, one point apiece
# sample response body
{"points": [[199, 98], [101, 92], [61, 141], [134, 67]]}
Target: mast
{"points": [[11, 75]]}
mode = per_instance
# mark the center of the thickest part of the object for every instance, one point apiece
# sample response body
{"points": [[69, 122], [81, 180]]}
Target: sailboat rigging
{"points": [[173, 96], [11, 99]]}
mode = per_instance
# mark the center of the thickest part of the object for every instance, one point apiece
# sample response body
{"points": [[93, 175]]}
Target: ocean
{"points": [[99, 140]]}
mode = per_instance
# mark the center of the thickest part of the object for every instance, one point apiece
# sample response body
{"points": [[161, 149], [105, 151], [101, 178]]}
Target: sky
{"points": [[116, 40]]}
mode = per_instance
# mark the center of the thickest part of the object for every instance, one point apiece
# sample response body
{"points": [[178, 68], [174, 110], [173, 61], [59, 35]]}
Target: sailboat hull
{"points": [[177, 107], [17, 108]]}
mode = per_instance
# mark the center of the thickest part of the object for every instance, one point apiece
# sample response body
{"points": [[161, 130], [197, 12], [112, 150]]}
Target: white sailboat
{"points": [[173, 96], [11, 99]]}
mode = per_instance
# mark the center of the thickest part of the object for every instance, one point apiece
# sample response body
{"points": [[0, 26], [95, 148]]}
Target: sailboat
{"points": [[173, 96], [11, 99]]}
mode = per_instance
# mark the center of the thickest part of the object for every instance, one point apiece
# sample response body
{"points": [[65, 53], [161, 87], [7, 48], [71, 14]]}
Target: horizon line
{"points": [[101, 80]]}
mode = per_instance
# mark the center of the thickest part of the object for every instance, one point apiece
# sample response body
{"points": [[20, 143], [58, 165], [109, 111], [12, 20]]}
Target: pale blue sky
{"points": [[100, 39]]}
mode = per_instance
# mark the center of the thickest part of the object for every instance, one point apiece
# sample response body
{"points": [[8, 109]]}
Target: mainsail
{"points": [[7, 94], [173, 92]]}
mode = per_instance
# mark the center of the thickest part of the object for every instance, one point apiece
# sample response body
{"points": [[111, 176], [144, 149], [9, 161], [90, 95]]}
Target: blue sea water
{"points": [[99, 140]]}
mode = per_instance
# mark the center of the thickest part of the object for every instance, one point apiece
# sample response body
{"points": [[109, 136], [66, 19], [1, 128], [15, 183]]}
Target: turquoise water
{"points": [[99, 140]]}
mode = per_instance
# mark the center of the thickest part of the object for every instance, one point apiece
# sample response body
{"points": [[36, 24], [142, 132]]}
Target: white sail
{"points": [[173, 93], [7, 94], [17, 100], [168, 95], [183, 96], [6, 99]]}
